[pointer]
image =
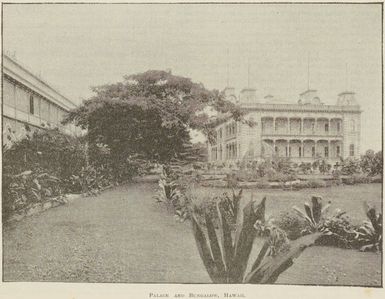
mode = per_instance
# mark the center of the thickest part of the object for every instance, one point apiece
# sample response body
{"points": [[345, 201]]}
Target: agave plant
{"points": [[231, 204], [370, 233], [168, 192], [314, 214], [226, 261]]}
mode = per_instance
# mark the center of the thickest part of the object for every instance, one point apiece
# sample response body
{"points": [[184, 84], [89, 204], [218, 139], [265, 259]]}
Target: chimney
{"points": [[248, 95], [346, 98], [309, 97]]}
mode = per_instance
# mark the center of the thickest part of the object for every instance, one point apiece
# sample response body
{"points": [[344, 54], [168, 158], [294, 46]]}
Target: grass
{"points": [[124, 236], [346, 198]]}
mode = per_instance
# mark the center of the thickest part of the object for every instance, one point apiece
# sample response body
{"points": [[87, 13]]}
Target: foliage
{"points": [[324, 167], [370, 233], [247, 175], [314, 214], [342, 233], [230, 205], [282, 165], [305, 167], [371, 162], [60, 154], [231, 180], [316, 183], [281, 177], [227, 263], [90, 181], [291, 224], [337, 229], [149, 114], [350, 166], [171, 195], [356, 179], [29, 187]]}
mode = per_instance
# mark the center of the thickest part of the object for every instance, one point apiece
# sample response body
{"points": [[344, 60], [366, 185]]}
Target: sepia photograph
{"points": [[192, 143]]}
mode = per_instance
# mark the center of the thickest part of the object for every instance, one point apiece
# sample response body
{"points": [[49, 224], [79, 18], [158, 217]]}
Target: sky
{"points": [[272, 46]]}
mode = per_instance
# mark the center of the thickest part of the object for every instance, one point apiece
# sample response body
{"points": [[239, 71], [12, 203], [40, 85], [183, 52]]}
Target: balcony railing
{"points": [[302, 134]]}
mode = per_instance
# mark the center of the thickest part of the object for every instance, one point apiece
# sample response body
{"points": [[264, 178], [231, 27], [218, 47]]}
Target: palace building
{"points": [[30, 104], [302, 132]]}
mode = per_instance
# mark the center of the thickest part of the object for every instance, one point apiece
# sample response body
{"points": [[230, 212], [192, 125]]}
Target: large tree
{"points": [[149, 115]]}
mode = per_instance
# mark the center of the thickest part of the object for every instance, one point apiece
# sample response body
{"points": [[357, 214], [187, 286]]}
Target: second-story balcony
{"points": [[310, 127], [301, 134]]}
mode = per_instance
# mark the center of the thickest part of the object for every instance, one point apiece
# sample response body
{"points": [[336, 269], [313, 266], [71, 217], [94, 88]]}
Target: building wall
{"points": [[29, 104], [300, 135]]}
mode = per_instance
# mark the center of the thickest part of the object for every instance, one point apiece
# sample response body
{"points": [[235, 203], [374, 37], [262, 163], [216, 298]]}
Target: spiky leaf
{"points": [[227, 243], [204, 250], [251, 213], [270, 269], [316, 208], [215, 248]]}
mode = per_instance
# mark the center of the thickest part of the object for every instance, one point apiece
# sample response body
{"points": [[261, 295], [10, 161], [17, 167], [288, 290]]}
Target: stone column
{"points": [[315, 126], [274, 125], [288, 125], [301, 126], [303, 149]]}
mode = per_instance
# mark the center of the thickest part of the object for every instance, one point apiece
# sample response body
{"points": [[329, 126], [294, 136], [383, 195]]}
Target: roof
{"points": [[24, 76], [307, 91]]}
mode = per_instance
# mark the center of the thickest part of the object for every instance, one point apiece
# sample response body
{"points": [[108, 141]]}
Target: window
{"points": [[286, 150], [351, 150], [353, 125], [289, 151], [313, 151], [338, 127], [326, 149], [299, 152], [31, 105], [312, 127], [326, 128], [338, 150], [276, 149]]}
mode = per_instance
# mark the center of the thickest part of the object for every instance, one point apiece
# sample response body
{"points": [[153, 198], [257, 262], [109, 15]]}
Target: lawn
{"points": [[122, 235], [346, 198]]}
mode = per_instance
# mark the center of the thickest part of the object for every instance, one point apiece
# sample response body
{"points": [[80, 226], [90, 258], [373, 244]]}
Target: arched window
{"points": [[351, 150]]}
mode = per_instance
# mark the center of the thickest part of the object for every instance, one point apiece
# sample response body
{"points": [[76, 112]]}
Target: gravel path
{"points": [[122, 235]]}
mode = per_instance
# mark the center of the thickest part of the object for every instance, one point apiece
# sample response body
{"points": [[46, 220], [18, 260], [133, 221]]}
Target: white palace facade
{"points": [[302, 132]]}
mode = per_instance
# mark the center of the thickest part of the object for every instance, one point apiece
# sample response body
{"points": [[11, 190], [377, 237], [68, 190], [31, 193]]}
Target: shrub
{"points": [[370, 233], [246, 175], [371, 162], [231, 180], [350, 166], [282, 165], [291, 224], [341, 231], [59, 154], [316, 183], [29, 187], [282, 177], [356, 179], [305, 167]]}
